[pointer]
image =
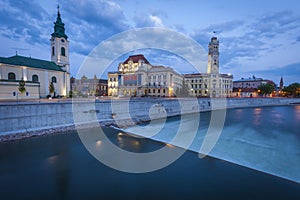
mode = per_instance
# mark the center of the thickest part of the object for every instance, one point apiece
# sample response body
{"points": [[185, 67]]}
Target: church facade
{"points": [[37, 75]]}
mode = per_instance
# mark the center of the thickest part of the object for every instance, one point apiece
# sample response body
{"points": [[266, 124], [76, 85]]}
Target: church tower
{"points": [[213, 56], [60, 44], [281, 83]]}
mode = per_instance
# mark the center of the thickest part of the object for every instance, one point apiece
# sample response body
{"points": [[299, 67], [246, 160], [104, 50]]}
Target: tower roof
{"points": [[59, 27], [136, 59]]}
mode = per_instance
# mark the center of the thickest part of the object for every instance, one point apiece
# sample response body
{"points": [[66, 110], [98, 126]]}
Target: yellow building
{"points": [[38, 74], [137, 77]]}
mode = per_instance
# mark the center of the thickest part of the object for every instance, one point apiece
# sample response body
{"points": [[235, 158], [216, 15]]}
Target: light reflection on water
{"points": [[297, 112], [257, 116]]}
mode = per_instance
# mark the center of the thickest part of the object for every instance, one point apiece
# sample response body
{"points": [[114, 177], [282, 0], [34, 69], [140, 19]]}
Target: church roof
{"points": [[136, 58], [59, 27], [30, 62]]}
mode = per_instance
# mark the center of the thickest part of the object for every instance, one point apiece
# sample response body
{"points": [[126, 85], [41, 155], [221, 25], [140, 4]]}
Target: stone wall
{"points": [[33, 118]]}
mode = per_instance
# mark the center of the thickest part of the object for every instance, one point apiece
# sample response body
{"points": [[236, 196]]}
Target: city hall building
{"points": [[212, 83], [37, 74], [137, 77]]}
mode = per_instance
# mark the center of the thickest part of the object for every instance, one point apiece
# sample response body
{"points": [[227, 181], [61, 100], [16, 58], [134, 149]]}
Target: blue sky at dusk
{"points": [[258, 37]]}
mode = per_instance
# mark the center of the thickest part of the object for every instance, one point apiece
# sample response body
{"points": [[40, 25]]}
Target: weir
{"points": [[261, 138]]}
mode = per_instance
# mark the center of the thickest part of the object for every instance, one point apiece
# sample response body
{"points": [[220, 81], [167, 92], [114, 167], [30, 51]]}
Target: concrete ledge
{"points": [[33, 119]]}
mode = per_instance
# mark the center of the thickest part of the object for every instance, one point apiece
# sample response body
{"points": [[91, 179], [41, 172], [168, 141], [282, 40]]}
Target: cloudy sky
{"points": [[258, 37]]}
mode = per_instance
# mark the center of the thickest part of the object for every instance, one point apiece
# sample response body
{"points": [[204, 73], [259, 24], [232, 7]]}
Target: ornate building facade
{"points": [[137, 77], [38, 74]]}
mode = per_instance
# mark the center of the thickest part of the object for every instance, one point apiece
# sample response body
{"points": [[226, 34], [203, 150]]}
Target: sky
{"points": [[258, 37]]}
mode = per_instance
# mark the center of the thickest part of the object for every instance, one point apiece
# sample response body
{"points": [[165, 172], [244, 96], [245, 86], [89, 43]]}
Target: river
{"points": [[60, 167]]}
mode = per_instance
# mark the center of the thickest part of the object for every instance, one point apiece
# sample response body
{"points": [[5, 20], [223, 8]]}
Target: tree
{"points": [[265, 89], [51, 88], [293, 89], [22, 88]]}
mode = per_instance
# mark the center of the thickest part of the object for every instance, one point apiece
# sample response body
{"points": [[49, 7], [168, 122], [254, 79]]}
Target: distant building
{"points": [[248, 87], [89, 87], [137, 77], [212, 83], [38, 74]]}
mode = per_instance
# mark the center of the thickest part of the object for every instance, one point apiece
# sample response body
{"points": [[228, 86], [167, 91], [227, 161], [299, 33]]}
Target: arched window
{"points": [[11, 76], [63, 51], [35, 78], [53, 79], [53, 53]]}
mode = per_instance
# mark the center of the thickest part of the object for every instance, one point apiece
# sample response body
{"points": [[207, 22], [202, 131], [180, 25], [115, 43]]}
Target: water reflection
{"points": [[128, 143], [60, 164], [297, 112], [257, 116]]}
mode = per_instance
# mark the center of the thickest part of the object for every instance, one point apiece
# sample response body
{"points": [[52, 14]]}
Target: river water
{"points": [[262, 138], [60, 167]]}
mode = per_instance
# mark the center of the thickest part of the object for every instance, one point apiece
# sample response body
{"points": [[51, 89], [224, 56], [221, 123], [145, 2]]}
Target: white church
{"points": [[38, 74]]}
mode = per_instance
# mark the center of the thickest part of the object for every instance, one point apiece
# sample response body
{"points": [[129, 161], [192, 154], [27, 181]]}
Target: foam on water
{"points": [[264, 139]]}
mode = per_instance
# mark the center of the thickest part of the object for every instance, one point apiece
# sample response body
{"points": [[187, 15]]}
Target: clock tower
{"points": [[213, 56], [60, 44]]}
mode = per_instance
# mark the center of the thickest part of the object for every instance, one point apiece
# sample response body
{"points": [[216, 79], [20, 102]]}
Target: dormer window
{"points": [[62, 40]]}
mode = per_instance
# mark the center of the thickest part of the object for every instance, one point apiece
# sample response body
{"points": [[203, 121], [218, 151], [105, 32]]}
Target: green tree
{"points": [[21, 87], [51, 88], [265, 89], [293, 89]]}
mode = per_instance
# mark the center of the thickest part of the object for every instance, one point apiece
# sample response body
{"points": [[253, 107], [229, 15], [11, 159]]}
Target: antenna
{"points": [[17, 49]]}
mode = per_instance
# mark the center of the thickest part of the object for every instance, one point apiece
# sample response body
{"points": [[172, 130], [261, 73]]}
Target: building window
{"points": [[35, 78], [164, 90], [11, 76], [27, 94], [158, 91], [53, 53], [53, 79], [153, 90], [14, 94], [63, 51]]}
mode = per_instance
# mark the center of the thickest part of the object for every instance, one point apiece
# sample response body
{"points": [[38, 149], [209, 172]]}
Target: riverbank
{"points": [[28, 119]]}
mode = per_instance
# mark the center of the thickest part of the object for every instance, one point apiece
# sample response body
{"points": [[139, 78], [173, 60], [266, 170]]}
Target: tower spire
{"points": [[59, 26], [281, 83]]}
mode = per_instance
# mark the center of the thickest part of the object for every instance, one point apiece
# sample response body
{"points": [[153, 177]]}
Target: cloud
{"points": [[275, 23], [27, 24], [89, 23], [153, 18], [145, 38], [148, 21], [290, 73]]}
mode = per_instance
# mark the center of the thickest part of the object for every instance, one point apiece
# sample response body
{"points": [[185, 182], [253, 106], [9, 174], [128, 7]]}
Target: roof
{"points": [[30, 62], [249, 79], [59, 27], [136, 59]]}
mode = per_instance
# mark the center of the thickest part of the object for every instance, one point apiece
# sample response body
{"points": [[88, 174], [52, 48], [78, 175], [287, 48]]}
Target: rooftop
{"points": [[30, 62], [136, 59]]}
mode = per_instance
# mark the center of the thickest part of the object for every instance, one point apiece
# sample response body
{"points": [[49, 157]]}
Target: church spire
{"points": [[59, 27], [281, 83]]}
